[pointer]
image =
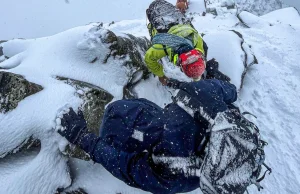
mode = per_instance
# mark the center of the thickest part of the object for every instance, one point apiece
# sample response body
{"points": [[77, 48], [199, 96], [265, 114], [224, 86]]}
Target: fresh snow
{"points": [[270, 91]]}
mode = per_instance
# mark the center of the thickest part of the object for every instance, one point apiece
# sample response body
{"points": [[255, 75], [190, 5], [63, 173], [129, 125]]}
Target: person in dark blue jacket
{"points": [[150, 148]]}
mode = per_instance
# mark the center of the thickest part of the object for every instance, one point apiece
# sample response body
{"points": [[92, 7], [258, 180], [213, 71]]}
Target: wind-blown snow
{"points": [[270, 91]]}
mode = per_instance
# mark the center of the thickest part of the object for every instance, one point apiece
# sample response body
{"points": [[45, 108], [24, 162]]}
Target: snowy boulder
{"points": [[219, 6], [258, 7], [232, 53], [2, 56], [250, 20], [285, 16], [1, 48], [84, 68], [13, 89]]}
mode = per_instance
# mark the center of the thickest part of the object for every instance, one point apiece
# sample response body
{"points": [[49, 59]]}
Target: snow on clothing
{"points": [[157, 51], [135, 134]]}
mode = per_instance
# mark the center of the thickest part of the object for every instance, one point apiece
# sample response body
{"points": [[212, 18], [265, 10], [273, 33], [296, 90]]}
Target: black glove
{"points": [[173, 83], [221, 76], [212, 69], [75, 126]]}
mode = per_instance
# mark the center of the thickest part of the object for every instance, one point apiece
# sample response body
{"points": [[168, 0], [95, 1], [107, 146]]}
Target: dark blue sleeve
{"points": [[228, 91], [209, 96], [132, 168]]}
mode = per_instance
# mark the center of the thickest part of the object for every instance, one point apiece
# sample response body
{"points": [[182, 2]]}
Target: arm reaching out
{"points": [[135, 169]]}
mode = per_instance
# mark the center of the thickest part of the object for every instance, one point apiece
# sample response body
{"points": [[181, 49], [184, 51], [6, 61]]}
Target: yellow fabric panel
{"points": [[153, 55]]}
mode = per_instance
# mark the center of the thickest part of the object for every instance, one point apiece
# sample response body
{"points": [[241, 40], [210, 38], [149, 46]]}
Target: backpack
{"points": [[233, 149], [178, 44], [162, 15], [234, 156]]}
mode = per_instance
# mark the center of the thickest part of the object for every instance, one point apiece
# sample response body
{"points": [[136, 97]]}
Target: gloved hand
{"points": [[212, 68], [173, 83], [74, 126], [221, 76]]}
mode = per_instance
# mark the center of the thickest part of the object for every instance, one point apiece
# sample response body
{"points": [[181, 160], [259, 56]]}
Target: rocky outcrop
{"points": [[212, 6], [257, 7], [25, 145], [2, 56], [13, 89], [123, 46], [101, 46], [98, 49]]}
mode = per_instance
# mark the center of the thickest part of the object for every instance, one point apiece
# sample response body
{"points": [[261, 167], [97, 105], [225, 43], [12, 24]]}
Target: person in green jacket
{"points": [[165, 18], [158, 51], [174, 36]]}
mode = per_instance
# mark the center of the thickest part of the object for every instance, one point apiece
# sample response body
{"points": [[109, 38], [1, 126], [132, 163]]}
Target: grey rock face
{"points": [[128, 49], [257, 7], [133, 47], [13, 89], [2, 57], [25, 145]]}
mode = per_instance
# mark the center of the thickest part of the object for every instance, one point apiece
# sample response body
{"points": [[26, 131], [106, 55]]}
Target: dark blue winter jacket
{"points": [[136, 135]]}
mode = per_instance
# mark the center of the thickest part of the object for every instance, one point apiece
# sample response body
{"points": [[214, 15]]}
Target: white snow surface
{"points": [[270, 91]]}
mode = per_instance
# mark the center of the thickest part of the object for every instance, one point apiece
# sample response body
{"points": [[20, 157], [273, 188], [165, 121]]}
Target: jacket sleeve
{"points": [[229, 92], [153, 55], [132, 168]]}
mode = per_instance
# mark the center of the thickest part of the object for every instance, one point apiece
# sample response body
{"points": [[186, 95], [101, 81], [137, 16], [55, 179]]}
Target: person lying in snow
{"points": [[173, 35], [154, 149]]}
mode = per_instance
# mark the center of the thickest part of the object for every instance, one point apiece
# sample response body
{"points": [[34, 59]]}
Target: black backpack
{"points": [[162, 15]]}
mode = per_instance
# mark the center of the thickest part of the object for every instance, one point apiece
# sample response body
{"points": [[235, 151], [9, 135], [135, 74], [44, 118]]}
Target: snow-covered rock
{"points": [[270, 91], [13, 89], [251, 20], [257, 7], [85, 67], [226, 47], [286, 16]]}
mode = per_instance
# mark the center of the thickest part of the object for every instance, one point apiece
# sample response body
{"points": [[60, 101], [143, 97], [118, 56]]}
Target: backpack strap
{"points": [[165, 49]]}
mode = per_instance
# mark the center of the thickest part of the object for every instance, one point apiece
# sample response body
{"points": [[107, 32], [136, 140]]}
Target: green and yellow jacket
{"points": [[158, 51]]}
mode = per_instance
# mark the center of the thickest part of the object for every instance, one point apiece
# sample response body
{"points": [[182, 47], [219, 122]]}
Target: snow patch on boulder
{"points": [[225, 47]]}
